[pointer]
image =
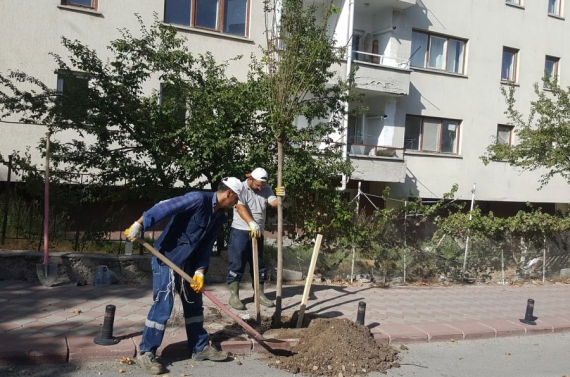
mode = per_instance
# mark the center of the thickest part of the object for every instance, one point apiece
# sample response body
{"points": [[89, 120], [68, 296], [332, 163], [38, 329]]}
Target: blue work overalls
{"points": [[187, 241]]}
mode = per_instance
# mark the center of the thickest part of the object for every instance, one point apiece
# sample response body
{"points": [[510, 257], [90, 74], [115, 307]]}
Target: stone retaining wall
{"points": [[79, 267]]}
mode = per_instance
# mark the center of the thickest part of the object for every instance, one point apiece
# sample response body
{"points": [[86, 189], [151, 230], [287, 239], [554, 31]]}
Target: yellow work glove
{"points": [[280, 191], [134, 231], [199, 279], [254, 230]]}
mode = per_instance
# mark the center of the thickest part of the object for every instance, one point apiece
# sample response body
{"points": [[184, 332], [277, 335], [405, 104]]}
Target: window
{"points": [[515, 2], [74, 90], [357, 37], [91, 4], [437, 52], [504, 134], [551, 68], [431, 135], [555, 7], [224, 16], [171, 100], [509, 66]]}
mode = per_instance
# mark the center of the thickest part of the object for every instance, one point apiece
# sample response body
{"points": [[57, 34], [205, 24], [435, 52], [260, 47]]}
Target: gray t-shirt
{"points": [[255, 203]]}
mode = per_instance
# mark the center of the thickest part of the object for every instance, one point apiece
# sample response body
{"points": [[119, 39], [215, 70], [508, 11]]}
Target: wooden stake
{"points": [[256, 279], [309, 280]]}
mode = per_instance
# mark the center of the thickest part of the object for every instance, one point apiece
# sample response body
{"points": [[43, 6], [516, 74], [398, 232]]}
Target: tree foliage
{"points": [[198, 124], [542, 138], [298, 71]]}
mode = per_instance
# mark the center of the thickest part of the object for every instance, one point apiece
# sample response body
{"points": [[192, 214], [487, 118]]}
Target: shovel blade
{"points": [[47, 273]]}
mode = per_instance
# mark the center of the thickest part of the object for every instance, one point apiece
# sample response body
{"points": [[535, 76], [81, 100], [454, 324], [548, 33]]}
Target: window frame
{"points": [[428, 50], [556, 71], [515, 63], [558, 10], [220, 20], [442, 122], [511, 132], [163, 93], [94, 4], [60, 87]]}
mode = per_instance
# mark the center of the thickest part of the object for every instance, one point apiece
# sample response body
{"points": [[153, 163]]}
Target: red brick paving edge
{"points": [[56, 350]]}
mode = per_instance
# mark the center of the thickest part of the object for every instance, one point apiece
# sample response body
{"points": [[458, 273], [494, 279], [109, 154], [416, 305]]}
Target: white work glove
{"points": [[199, 279], [134, 232], [254, 230], [280, 191]]}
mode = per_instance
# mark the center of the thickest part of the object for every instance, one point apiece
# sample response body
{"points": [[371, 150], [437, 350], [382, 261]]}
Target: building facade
{"points": [[431, 72]]}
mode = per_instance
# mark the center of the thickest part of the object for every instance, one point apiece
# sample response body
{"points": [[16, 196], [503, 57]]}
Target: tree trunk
{"points": [[279, 288]]}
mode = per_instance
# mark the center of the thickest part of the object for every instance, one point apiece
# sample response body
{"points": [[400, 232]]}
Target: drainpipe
{"points": [[349, 33]]}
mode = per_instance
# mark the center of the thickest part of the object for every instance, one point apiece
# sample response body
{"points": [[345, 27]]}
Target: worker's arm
{"points": [[254, 228], [279, 191], [243, 212], [161, 210]]}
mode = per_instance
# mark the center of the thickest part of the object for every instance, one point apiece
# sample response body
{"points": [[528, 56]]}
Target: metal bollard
{"points": [[529, 319], [106, 338], [361, 312]]}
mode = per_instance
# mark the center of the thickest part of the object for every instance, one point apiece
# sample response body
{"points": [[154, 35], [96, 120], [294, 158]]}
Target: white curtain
{"points": [[431, 135], [455, 56], [419, 43], [437, 52]]}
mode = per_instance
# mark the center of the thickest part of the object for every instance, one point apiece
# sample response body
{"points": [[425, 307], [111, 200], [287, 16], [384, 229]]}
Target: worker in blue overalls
{"points": [[187, 240]]}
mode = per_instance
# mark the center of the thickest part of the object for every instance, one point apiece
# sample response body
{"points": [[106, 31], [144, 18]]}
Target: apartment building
{"points": [[431, 72]]}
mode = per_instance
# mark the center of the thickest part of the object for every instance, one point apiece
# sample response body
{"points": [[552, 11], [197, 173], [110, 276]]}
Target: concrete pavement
{"points": [[59, 324]]}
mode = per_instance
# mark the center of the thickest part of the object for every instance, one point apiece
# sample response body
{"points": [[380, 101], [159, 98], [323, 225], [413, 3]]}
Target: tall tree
{"points": [[542, 138], [298, 68], [198, 124]]}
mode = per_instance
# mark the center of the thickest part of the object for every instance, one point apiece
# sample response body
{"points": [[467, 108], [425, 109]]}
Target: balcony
{"points": [[377, 163], [380, 73]]}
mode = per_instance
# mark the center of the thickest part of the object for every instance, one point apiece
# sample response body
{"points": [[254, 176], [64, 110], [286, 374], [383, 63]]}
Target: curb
{"points": [[58, 350]]}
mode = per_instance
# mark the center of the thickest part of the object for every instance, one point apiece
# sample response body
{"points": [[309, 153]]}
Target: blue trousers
{"points": [[240, 254], [165, 284]]}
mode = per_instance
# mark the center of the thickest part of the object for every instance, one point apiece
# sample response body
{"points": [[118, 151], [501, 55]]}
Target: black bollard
{"points": [[361, 312], [529, 319], [106, 338]]}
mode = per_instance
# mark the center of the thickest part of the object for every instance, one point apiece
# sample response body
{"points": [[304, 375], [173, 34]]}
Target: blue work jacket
{"points": [[189, 237]]}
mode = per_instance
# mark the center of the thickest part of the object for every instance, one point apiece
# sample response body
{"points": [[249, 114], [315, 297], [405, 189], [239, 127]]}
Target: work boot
{"points": [[234, 300], [210, 353], [263, 300], [148, 362]]}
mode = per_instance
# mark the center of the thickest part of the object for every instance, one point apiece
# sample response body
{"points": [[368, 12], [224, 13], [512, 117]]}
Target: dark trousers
{"points": [[240, 254]]}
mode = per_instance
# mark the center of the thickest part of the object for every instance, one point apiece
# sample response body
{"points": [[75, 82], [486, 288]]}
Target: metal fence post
{"points": [[7, 200]]}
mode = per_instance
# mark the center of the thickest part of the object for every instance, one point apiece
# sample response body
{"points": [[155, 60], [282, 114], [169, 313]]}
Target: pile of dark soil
{"points": [[336, 347]]}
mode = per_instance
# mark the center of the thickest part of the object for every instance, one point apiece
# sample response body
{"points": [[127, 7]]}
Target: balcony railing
{"points": [[375, 150], [380, 60]]}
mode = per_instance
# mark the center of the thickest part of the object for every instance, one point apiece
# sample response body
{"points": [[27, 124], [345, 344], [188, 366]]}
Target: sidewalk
{"points": [[59, 324]]}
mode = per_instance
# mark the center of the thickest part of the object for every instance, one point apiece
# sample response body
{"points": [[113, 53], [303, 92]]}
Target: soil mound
{"points": [[337, 347]]}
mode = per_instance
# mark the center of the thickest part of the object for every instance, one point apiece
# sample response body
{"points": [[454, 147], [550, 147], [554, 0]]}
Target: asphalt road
{"points": [[530, 356]]}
